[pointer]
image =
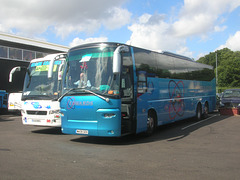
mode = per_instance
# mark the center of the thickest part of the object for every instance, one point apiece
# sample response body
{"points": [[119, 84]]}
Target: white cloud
{"points": [[63, 17], [4, 28], [219, 28], [119, 17], [200, 17], [78, 41], [232, 42], [153, 33], [184, 51], [195, 19], [201, 55], [144, 18]]}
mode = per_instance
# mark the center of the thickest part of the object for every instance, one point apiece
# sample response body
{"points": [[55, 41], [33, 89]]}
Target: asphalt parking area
{"points": [[207, 149]]}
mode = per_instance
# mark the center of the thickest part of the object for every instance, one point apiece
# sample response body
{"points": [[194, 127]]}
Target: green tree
{"points": [[228, 66]]}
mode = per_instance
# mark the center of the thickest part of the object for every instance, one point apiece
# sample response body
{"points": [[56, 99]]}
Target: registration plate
{"points": [[36, 120], [80, 131]]}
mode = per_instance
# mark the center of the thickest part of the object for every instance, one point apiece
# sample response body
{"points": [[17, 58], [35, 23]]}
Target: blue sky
{"points": [[188, 27]]}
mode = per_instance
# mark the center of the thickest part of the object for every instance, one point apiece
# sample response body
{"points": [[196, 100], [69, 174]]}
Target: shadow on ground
{"points": [[171, 132]]}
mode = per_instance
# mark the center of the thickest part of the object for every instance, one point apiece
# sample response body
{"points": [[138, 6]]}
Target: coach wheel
{"points": [[206, 110], [199, 112], [150, 123]]}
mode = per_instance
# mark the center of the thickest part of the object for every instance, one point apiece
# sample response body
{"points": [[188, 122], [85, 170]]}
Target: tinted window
{"points": [[200, 72], [164, 66], [145, 61], [180, 69]]}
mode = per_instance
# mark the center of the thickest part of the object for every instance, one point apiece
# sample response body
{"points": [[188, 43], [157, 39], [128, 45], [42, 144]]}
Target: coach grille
{"points": [[37, 112]]}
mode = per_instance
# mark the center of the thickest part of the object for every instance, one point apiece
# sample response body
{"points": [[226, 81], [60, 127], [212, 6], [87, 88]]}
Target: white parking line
{"points": [[199, 122]]}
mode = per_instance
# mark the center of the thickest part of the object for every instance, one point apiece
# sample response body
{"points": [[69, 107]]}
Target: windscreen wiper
{"points": [[64, 94], [85, 90], [105, 99]]}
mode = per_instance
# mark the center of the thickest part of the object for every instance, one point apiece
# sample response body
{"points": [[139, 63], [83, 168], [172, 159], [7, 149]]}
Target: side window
{"points": [[199, 72], [142, 82], [180, 69], [165, 66], [145, 61], [127, 75], [193, 70], [146, 66]]}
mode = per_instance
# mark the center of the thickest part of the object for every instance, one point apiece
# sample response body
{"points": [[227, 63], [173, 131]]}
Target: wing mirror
{"points": [[117, 58], [18, 68]]}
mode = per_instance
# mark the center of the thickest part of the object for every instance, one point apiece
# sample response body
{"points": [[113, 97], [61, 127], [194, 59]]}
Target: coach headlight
{"points": [[23, 111], [61, 114], [54, 111], [109, 115]]}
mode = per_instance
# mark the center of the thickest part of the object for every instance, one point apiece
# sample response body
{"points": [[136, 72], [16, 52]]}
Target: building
{"points": [[19, 51]]}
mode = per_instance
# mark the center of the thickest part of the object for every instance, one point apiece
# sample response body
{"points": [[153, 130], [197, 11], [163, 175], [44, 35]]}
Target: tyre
{"points": [[199, 112], [151, 123], [206, 110]]}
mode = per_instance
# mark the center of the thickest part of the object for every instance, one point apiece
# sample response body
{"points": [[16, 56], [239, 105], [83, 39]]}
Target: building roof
{"points": [[30, 44]]}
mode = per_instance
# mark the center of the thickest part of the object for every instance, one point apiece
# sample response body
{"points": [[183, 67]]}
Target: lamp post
{"points": [[216, 72]]}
